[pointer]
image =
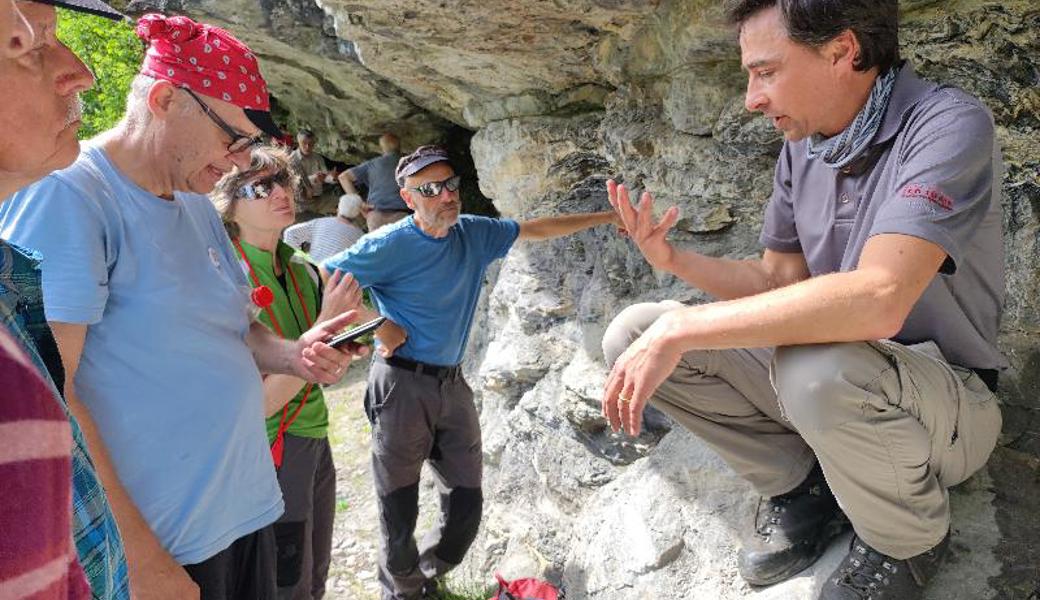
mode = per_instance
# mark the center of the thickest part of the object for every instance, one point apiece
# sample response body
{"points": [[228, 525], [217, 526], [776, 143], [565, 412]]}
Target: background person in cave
{"points": [[383, 204], [853, 366], [325, 237], [315, 196], [425, 273]]}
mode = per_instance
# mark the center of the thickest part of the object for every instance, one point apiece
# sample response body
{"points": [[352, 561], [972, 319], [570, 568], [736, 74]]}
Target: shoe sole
{"points": [[837, 526]]}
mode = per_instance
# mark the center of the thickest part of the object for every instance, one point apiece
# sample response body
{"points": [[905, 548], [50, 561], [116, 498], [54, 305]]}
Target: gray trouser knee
{"points": [[893, 427]]}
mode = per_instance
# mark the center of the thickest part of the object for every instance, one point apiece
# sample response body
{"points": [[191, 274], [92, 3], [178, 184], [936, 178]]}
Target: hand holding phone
{"points": [[353, 334]]}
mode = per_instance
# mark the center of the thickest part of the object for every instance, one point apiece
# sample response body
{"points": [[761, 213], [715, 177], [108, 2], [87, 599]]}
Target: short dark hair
{"points": [[305, 133], [875, 23]]}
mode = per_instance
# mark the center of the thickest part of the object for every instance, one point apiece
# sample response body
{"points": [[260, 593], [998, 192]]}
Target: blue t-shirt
{"points": [[165, 370], [429, 286]]}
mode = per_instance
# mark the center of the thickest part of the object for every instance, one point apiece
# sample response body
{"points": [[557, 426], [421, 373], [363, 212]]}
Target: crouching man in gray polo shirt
{"points": [[851, 368]]}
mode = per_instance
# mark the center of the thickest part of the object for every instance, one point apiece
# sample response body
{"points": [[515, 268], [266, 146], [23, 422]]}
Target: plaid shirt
{"points": [[97, 539]]}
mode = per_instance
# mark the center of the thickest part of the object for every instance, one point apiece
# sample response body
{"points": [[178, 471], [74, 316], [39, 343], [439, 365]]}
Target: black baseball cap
{"points": [[94, 7]]}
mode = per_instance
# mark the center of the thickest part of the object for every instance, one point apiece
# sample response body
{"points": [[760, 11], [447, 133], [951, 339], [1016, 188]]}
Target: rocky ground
{"points": [[974, 572]]}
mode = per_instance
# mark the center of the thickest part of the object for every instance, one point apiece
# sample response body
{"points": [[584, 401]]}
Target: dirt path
{"points": [[355, 539]]}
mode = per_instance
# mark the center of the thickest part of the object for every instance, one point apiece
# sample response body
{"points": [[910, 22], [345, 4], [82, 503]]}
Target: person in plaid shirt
{"points": [[51, 471]]}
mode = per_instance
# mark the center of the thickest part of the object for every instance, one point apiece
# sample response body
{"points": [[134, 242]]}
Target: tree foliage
{"points": [[114, 54]]}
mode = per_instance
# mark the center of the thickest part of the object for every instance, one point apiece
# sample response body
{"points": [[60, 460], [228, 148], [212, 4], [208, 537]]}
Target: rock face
{"points": [[315, 78], [563, 95]]}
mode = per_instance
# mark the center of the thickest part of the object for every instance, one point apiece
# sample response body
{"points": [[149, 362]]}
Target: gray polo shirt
{"points": [[933, 172], [378, 175]]}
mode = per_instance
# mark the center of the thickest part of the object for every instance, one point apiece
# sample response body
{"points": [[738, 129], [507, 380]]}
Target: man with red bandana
{"points": [[152, 317]]}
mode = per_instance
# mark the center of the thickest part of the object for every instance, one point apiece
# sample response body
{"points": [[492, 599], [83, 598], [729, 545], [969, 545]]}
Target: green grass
{"points": [[458, 588]]}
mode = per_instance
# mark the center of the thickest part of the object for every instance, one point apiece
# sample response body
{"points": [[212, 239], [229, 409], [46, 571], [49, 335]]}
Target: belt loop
{"points": [[419, 368]]}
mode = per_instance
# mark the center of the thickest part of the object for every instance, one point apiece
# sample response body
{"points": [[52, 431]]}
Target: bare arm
{"points": [[727, 278], [154, 574], [546, 228], [869, 303], [721, 277], [346, 180], [279, 390]]}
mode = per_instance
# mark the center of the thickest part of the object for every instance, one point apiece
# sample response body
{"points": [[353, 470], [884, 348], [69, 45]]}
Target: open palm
{"points": [[648, 234]]}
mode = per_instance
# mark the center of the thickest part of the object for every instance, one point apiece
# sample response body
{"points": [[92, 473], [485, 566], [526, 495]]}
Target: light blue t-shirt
{"points": [[429, 286], [165, 371]]}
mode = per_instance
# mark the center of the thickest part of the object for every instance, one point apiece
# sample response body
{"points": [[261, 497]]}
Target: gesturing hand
{"points": [[640, 225], [636, 375], [318, 362], [342, 293]]}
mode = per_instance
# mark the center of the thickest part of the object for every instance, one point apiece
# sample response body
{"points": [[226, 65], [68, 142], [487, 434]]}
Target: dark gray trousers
{"points": [[304, 531], [417, 418]]}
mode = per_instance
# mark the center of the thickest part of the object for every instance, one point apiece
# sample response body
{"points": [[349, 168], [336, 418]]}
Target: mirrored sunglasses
{"points": [[261, 189], [432, 189]]}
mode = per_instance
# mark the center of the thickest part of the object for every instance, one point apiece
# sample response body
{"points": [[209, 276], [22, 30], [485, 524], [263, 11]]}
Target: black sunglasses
{"points": [[239, 142], [432, 189], [261, 188]]}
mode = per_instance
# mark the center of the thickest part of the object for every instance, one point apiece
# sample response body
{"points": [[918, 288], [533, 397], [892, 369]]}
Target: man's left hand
{"points": [[318, 362], [636, 375]]}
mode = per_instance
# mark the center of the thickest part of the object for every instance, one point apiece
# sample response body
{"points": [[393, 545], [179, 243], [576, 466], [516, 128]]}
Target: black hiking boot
{"points": [[791, 531], [867, 574]]}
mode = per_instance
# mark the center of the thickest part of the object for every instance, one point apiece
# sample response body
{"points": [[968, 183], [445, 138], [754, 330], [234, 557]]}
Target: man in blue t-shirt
{"points": [[425, 274], [152, 317]]}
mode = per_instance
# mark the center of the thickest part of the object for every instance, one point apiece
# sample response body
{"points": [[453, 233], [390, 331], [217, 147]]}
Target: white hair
{"points": [[349, 206], [137, 113]]}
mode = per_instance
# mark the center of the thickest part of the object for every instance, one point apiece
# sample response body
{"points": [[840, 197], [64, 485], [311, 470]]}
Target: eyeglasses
{"points": [[261, 189], [239, 142], [432, 189]]}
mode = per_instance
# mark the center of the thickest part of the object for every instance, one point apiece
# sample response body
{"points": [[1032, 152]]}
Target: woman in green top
{"points": [[256, 204]]}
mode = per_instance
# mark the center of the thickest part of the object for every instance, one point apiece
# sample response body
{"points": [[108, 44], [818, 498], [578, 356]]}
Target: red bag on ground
{"points": [[525, 589]]}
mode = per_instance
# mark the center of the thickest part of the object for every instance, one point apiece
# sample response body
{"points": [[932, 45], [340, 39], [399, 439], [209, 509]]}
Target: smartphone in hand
{"points": [[353, 334]]}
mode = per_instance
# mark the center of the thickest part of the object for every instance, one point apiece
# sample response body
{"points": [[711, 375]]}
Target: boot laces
{"points": [[866, 571], [769, 511]]}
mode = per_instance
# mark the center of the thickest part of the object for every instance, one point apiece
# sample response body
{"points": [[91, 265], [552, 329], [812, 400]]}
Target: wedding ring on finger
{"points": [[623, 399]]}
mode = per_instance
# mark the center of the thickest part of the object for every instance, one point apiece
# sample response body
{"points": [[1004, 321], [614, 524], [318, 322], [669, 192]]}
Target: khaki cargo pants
{"points": [[893, 426]]}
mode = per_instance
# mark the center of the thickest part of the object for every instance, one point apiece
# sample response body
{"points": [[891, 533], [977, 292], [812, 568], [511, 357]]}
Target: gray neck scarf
{"points": [[842, 149]]}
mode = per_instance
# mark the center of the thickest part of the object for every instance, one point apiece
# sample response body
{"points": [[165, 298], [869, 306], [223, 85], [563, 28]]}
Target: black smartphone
{"points": [[353, 334]]}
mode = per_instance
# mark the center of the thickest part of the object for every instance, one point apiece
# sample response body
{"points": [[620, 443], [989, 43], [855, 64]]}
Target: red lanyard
{"points": [[278, 446], [296, 286]]}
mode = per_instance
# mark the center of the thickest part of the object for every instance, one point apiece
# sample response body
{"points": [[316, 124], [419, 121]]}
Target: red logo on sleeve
{"points": [[928, 192]]}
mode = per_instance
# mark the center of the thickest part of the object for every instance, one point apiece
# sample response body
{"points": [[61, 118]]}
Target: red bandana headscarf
{"points": [[207, 59]]}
